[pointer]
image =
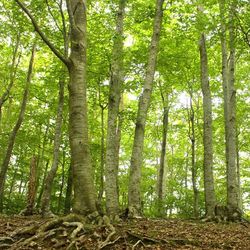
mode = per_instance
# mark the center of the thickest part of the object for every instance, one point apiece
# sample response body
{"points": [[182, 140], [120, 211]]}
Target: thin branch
{"points": [[52, 15], [42, 35]]}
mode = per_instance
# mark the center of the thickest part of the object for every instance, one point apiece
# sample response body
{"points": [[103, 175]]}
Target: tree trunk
{"points": [[68, 198], [13, 70], [32, 188], [84, 190], [193, 162], [210, 201], [224, 72], [46, 196], [232, 185], [13, 134], [134, 200], [111, 170], [161, 185], [62, 184]]}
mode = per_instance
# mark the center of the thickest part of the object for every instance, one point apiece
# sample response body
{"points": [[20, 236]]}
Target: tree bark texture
{"points": [[12, 137], [46, 196], [232, 184], [161, 183], [210, 201], [224, 72], [32, 187], [68, 198], [84, 190], [192, 138], [111, 170], [134, 200]]}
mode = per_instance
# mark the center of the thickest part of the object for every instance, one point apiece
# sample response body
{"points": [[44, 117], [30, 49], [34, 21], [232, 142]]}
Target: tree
{"points": [[134, 201], [17, 126], [84, 190], [111, 170], [46, 196], [207, 132]]}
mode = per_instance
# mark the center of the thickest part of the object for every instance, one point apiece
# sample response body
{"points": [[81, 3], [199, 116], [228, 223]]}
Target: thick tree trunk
{"points": [[134, 200], [46, 196], [13, 134], [161, 182], [32, 187], [210, 201], [84, 190], [111, 171]]}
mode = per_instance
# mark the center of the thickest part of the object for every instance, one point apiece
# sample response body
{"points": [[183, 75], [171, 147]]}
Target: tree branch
{"points": [[42, 35]]}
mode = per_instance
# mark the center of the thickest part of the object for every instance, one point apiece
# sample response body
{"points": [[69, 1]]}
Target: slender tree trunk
{"points": [[161, 185], [111, 171], [193, 155], [224, 72], [42, 185], [134, 200], [210, 201], [102, 160], [32, 187], [68, 198], [62, 184], [232, 185], [13, 134], [13, 70], [46, 196]]}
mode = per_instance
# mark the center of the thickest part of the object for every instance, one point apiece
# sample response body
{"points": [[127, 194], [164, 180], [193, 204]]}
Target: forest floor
{"points": [[130, 234]]}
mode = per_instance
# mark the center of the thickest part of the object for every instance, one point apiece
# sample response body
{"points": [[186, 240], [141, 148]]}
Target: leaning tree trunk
{"points": [[46, 196], [161, 185], [68, 197], [232, 185], [111, 171], [13, 134], [134, 199], [210, 201]]}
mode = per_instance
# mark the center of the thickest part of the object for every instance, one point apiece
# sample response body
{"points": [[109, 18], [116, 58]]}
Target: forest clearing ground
{"points": [[132, 234]]}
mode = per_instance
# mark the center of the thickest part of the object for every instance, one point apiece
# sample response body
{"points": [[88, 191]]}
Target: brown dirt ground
{"points": [[131, 234]]}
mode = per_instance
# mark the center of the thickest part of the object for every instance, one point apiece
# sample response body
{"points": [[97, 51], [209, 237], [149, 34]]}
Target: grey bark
{"points": [[84, 190], [193, 155], [210, 200], [68, 198], [46, 196], [134, 200], [12, 137], [232, 184], [161, 182], [224, 72], [111, 170]]}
